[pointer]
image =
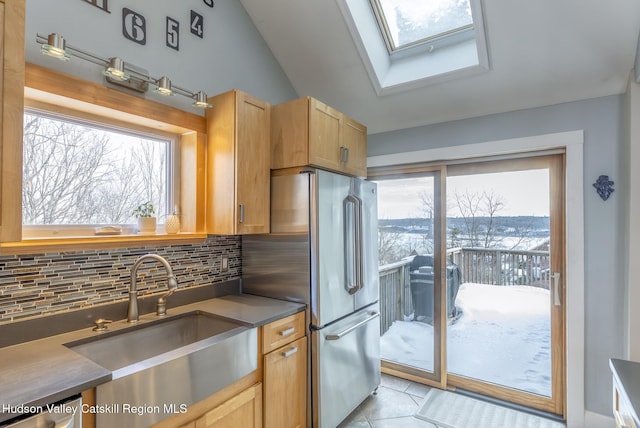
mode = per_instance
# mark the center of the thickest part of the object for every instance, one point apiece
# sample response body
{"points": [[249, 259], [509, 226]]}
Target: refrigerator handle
{"points": [[359, 244], [372, 316], [351, 247]]}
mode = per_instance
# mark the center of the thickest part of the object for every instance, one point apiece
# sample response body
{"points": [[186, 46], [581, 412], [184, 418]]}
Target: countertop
{"points": [[627, 376], [44, 371]]}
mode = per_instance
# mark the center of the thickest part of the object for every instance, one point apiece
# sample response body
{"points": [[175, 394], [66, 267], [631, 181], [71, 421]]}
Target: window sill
{"points": [[48, 245]]}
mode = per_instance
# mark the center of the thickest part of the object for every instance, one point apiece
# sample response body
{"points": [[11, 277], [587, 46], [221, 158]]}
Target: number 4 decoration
{"points": [[197, 24]]}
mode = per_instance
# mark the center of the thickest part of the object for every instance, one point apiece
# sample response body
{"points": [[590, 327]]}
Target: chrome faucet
{"points": [[132, 311]]}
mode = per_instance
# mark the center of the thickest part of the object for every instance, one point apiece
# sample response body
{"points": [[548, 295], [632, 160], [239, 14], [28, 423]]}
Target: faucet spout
{"points": [[132, 311]]}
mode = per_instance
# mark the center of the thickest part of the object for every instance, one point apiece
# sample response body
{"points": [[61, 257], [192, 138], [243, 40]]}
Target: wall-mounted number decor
{"points": [[208, 2], [197, 24], [104, 4], [134, 26], [173, 34]]}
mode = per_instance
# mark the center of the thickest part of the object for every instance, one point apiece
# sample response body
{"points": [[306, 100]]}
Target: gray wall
{"points": [[604, 150], [232, 54]]}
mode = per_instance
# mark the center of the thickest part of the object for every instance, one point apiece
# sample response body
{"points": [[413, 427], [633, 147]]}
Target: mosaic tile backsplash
{"points": [[38, 284]]}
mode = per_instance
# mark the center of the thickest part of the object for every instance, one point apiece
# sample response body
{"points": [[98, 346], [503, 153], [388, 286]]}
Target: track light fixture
{"points": [[201, 100], [115, 70], [164, 86], [118, 71]]}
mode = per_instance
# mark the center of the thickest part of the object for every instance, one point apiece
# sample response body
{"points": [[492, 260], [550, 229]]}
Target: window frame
{"points": [[426, 44], [108, 124], [66, 92]]}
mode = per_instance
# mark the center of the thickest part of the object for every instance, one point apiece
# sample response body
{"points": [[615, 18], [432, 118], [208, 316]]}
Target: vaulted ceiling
{"points": [[541, 53]]}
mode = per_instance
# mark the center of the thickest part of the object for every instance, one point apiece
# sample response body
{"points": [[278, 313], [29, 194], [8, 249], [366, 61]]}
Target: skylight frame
{"points": [[445, 38], [446, 59]]}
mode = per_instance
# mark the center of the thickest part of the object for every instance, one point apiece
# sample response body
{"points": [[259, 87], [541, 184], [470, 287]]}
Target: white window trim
{"points": [[572, 142]]}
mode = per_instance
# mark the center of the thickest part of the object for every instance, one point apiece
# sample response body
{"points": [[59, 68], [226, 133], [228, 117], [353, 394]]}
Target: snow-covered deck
{"points": [[501, 337]]}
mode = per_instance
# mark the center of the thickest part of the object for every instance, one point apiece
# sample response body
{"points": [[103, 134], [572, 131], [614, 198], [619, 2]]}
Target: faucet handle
{"points": [[101, 324]]}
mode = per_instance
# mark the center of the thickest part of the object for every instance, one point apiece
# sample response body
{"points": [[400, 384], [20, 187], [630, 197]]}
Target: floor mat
{"points": [[450, 410]]}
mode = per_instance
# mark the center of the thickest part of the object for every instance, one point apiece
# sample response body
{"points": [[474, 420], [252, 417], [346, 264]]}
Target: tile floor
{"points": [[393, 406]]}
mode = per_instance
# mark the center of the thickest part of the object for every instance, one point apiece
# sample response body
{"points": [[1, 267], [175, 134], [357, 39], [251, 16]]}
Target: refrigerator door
{"points": [[334, 270], [368, 292], [347, 367]]}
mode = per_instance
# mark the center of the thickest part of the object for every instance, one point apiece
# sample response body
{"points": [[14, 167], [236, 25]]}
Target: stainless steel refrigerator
{"points": [[322, 251]]}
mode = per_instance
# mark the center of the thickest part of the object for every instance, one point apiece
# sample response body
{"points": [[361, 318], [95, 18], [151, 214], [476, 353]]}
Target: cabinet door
{"points": [[12, 16], [253, 162], [285, 386], [354, 141], [243, 410], [325, 135]]}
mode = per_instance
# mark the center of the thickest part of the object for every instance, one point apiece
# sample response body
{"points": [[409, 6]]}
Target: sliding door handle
{"points": [[556, 288]]}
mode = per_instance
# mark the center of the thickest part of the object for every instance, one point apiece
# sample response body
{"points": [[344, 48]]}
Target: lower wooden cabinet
{"points": [[285, 386], [243, 410]]}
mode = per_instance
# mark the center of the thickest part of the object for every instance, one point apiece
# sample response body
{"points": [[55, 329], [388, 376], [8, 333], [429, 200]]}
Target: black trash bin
{"points": [[421, 284]]}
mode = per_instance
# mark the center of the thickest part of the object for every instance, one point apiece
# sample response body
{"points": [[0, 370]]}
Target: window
{"points": [[405, 44], [78, 172], [408, 23]]}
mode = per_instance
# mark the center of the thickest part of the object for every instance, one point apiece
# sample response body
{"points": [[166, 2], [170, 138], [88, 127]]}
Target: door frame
{"points": [[438, 377], [572, 142], [554, 163]]}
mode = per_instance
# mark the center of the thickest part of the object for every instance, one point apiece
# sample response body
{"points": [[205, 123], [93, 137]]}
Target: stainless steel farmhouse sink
{"points": [[118, 349], [160, 367]]}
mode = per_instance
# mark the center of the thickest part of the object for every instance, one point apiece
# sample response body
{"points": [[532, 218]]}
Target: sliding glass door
{"points": [[411, 257], [471, 274]]}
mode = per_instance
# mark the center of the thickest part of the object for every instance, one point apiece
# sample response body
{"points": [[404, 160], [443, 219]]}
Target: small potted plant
{"points": [[146, 219]]}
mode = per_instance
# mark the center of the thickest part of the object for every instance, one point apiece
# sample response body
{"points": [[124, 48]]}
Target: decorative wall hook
{"points": [[604, 187]]}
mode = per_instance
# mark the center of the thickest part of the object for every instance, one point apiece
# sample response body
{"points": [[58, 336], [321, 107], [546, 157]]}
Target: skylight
{"points": [[406, 44], [406, 23]]}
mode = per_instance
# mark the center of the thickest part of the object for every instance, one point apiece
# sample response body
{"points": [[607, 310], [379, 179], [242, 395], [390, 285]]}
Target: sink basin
{"points": [[118, 349], [167, 364]]}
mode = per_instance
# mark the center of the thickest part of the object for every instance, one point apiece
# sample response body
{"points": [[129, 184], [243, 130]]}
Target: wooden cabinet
{"points": [[285, 373], [243, 410], [12, 22], [238, 165], [308, 132]]}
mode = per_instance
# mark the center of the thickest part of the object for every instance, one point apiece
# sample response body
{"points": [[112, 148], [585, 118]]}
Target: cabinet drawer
{"points": [[283, 331]]}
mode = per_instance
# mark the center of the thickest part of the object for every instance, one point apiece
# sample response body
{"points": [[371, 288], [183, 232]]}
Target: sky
{"points": [[525, 193]]}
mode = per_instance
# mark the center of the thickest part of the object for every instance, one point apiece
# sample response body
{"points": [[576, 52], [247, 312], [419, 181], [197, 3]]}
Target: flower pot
{"points": [[147, 225]]}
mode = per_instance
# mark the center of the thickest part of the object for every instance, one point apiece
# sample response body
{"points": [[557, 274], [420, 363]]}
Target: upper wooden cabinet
{"points": [[238, 158], [308, 132], [11, 110]]}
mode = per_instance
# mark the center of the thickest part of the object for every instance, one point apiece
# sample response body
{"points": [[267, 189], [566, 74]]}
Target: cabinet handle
{"points": [[344, 154], [287, 332], [241, 213], [290, 352]]}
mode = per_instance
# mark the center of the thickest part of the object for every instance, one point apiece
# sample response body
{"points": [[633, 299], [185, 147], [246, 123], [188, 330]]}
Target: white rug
{"points": [[450, 410]]}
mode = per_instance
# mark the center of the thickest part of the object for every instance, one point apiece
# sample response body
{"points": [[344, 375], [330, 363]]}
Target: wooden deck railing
{"points": [[478, 265], [395, 294], [502, 267]]}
